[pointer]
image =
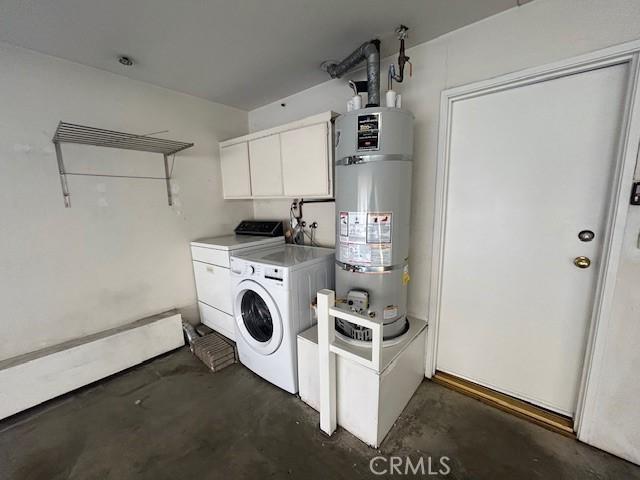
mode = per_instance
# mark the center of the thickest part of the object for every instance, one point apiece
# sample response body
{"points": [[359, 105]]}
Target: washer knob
{"points": [[250, 270]]}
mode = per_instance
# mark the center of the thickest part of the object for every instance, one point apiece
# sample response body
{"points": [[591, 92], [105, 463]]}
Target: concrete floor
{"points": [[172, 419]]}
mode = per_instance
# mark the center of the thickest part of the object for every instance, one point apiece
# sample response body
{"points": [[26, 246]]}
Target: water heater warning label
{"points": [[357, 227], [379, 228], [365, 238], [355, 253]]}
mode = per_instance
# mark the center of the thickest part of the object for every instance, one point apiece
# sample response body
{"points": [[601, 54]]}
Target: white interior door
{"points": [[530, 168]]}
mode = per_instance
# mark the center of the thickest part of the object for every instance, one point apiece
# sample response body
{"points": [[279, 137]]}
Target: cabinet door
{"points": [[305, 161], [234, 164], [266, 166]]}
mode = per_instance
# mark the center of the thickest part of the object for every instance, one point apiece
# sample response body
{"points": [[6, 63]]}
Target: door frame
{"points": [[627, 154]]}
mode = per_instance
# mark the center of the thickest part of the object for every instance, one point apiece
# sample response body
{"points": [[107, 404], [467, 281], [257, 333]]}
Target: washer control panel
{"points": [[262, 273], [274, 273]]}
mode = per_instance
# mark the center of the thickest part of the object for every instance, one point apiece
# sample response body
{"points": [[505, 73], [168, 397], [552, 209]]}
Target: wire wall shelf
{"points": [[98, 137]]}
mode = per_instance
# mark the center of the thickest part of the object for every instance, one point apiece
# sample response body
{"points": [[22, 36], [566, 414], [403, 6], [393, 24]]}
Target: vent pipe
{"points": [[369, 51]]}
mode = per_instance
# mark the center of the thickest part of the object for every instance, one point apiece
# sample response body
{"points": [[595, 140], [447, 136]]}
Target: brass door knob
{"points": [[582, 262]]}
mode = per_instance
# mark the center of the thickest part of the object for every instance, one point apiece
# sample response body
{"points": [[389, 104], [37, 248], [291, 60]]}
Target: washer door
{"points": [[258, 318]]}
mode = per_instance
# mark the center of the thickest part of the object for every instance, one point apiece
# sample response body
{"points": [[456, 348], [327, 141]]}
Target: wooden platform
{"points": [[545, 418]]}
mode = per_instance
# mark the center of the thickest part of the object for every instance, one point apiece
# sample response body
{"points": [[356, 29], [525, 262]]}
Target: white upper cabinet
{"points": [[305, 161], [234, 164], [290, 161], [266, 166]]}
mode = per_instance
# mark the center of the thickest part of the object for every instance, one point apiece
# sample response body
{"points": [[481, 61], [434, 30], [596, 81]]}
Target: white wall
{"points": [[120, 253], [322, 213], [540, 32]]}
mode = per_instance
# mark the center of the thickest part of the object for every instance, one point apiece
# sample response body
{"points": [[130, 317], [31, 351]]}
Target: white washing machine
{"points": [[273, 289]]}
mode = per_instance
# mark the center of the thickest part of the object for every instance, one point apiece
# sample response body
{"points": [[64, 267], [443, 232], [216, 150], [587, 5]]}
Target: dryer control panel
{"points": [[262, 228]]}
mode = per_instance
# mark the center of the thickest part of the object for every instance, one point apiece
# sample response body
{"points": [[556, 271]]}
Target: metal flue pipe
{"points": [[369, 52]]}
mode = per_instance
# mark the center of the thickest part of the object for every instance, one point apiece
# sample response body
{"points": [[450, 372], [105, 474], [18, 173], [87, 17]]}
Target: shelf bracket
{"points": [[167, 176], [63, 176]]}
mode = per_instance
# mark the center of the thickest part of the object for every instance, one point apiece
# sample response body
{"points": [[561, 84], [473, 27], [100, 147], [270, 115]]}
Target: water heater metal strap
{"points": [[356, 159], [367, 269]]}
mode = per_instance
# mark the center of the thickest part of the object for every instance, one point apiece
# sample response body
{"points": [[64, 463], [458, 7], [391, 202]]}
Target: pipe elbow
{"points": [[369, 51], [371, 48]]}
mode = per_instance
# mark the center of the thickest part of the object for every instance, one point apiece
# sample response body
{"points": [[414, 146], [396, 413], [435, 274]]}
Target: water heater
{"points": [[374, 150]]}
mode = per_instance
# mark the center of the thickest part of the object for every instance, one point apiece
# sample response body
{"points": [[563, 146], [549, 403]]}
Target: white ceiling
{"points": [[243, 53]]}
